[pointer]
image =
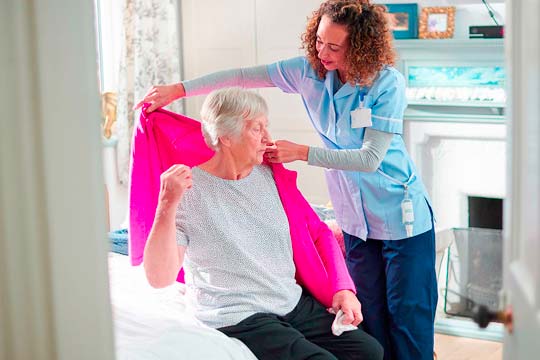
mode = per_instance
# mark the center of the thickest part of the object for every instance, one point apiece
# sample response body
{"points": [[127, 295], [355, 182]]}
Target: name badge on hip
{"points": [[361, 118]]}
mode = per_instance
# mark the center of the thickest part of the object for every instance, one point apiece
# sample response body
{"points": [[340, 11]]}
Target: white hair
{"points": [[225, 111]]}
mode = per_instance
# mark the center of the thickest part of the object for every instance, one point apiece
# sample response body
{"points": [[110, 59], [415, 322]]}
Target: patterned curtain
{"points": [[150, 56]]}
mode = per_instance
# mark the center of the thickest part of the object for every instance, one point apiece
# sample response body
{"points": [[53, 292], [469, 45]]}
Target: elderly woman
{"points": [[252, 251]]}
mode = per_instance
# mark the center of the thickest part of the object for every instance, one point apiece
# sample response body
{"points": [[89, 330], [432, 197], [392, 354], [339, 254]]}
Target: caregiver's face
{"points": [[332, 44], [251, 144]]}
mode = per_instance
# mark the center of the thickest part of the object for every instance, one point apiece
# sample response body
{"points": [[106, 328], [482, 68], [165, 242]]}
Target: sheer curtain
{"points": [[149, 55]]}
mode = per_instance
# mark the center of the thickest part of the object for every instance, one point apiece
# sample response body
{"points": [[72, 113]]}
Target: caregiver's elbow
{"points": [[373, 163]]}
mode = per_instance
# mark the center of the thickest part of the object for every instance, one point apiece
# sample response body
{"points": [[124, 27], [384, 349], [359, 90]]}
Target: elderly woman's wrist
{"points": [[167, 204]]}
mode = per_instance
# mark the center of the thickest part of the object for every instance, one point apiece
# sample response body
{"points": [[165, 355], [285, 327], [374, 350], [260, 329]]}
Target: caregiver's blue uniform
{"points": [[395, 280]]}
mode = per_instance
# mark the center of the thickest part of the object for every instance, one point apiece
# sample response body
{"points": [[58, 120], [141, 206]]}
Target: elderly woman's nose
{"points": [[266, 136]]}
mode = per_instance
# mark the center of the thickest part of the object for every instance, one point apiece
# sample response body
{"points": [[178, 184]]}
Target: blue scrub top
{"points": [[367, 205]]}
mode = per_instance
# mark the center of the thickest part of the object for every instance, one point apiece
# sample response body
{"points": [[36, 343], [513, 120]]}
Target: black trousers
{"points": [[304, 333]]}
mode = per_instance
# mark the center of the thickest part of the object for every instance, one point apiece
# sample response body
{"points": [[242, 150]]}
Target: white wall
{"points": [[220, 35]]}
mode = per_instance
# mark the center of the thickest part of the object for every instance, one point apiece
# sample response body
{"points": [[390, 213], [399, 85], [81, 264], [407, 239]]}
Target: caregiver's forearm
{"points": [[367, 159], [250, 78]]}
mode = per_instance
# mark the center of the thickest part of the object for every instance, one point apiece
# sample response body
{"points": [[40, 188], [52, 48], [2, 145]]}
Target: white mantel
{"points": [[457, 160]]}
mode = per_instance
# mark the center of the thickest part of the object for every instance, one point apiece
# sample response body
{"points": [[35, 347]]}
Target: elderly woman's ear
{"points": [[225, 140]]}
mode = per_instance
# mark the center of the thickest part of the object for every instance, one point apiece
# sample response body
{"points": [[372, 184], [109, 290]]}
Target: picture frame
{"points": [[403, 20], [437, 22]]}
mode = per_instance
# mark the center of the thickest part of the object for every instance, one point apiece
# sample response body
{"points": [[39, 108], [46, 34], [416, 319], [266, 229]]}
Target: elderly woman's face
{"points": [[251, 144]]}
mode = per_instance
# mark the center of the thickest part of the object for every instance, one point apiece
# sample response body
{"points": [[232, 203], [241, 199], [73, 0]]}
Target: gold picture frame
{"points": [[437, 22]]}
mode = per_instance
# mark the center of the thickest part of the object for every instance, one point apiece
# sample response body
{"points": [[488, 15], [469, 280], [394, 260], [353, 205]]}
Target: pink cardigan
{"points": [[163, 138]]}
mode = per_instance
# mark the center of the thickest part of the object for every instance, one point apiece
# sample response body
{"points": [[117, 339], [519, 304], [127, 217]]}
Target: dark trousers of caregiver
{"points": [[304, 333], [397, 286]]}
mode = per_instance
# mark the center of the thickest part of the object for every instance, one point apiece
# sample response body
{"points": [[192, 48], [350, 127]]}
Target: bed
{"points": [[155, 324], [152, 324]]}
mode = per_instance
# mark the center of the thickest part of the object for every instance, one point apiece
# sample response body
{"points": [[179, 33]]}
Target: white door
{"points": [[522, 212]]}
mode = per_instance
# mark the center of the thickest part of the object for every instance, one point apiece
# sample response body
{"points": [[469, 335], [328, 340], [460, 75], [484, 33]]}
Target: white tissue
{"points": [[338, 328]]}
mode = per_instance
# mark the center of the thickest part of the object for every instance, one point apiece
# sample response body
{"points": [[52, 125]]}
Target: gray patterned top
{"points": [[239, 255]]}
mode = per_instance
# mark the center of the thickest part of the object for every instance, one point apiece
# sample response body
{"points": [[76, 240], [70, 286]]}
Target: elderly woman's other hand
{"points": [[174, 182], [285, 151], [161, 95], [348, 303]]}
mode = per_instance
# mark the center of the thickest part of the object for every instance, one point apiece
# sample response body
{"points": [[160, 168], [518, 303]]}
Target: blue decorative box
{"points": [[118, 240], [403, 20]]}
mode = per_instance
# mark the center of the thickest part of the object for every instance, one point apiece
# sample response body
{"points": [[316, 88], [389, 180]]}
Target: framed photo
{"points": [[437, 22], [403, 20]]}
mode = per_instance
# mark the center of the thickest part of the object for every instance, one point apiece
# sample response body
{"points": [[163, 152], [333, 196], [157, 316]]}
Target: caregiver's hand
{"points": [[161, 95], [348, 303], [286, 151]]}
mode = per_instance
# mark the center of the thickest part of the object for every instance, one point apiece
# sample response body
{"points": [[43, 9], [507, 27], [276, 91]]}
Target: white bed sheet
{"points": [[157, 324]]}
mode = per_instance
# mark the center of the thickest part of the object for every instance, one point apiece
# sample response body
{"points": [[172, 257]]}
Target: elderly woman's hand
{"points": [[174, 182], [285, 151], [348, 303], [161, 95]]}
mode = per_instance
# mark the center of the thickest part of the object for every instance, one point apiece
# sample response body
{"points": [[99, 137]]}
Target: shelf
{"points": [[453, 114], [485, 104], [449, 43], [450, 52], [497, 120]]}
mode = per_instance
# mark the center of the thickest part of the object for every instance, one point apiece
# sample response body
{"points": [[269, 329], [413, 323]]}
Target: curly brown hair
{"points": [[370, 38]]}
